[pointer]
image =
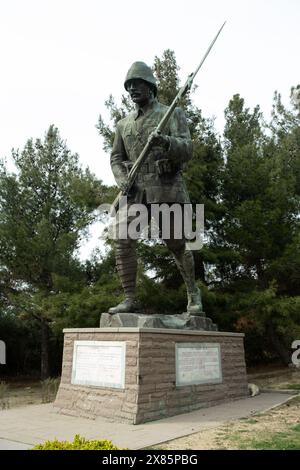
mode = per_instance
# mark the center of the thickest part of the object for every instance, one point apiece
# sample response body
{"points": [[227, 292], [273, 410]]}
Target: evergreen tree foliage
{"points": [[45, 209]]}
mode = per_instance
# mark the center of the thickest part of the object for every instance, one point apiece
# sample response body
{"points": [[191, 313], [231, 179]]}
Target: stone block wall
{"points": [[150, 391]]}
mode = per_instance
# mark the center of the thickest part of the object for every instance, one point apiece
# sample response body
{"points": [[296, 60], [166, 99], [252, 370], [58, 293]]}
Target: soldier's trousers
{"points": [[126, 258]]}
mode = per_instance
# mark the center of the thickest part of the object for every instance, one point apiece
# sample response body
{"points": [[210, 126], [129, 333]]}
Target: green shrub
{"points": [[79, 443]]}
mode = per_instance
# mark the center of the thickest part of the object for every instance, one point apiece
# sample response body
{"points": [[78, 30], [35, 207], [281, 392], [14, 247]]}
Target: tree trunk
{"points": [[260, 275], [45, 372], [278, 345]]}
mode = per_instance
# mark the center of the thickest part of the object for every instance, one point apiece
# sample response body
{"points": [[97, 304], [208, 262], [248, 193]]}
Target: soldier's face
{"points": [[139, 91]]}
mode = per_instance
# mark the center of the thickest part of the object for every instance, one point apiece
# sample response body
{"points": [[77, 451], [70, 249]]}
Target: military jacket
{"points": [[155, 183]]}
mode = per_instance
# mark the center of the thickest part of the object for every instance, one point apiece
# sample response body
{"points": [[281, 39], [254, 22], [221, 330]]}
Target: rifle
{"points": [[162, 124]]}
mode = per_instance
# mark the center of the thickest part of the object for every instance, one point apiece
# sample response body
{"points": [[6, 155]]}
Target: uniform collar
{"points": [[145, 109]]}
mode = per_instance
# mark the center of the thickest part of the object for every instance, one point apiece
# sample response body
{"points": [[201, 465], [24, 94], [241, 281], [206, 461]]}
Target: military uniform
{"points": [[158, 181], [160, 177]]}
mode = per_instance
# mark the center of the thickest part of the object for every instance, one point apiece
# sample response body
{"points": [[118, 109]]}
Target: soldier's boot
{"points": [[128, 305], [127, 268], [185, 263], [194, 306]]}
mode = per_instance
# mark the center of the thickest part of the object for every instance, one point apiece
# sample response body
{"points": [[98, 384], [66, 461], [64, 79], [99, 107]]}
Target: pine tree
{"points": [[45, 208], [260, 228]]}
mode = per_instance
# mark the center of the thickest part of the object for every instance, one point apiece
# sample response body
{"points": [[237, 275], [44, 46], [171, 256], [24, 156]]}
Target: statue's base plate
{"points": [[182, 321]]}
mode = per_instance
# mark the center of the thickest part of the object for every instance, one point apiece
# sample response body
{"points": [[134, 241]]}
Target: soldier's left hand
{"points": [[156, 139]]}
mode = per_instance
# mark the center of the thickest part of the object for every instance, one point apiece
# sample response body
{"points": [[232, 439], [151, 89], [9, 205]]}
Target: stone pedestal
{"points": [[136, 375], [183, 321]]}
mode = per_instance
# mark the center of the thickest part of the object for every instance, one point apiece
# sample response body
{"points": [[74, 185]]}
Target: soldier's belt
{"points": [[149, 167], [159, 167]]}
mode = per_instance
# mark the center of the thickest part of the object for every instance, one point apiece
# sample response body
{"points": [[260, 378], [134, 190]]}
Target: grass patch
{"points": [[293, 387], [288, 440]]}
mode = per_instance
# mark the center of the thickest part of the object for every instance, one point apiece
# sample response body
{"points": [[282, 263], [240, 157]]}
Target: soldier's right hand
{"points": [[124, 187], [157, 139], [122, 182]]}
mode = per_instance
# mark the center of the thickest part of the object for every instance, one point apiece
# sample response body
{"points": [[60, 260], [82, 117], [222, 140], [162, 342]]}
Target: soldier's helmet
{"points": [[142, 71]]}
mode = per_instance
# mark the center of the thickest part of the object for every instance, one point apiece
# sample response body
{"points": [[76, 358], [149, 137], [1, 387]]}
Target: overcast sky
{"points": [[60, 60]]}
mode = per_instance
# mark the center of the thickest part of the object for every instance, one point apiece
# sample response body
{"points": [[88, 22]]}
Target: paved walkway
{"points": [[20, 428]]}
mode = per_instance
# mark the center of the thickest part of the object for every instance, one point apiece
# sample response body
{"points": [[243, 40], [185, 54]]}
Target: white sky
{"points": [[60, 59]]}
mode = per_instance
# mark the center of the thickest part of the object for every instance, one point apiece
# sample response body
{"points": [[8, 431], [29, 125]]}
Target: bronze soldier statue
{"points": [[159, 180]]}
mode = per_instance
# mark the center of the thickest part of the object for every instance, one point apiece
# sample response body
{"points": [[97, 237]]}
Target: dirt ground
{"points": [[276, 379], [232, 435], [235, 435], [23, 392]]}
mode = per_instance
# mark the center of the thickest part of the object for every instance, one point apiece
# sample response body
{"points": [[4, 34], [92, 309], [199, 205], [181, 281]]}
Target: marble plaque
{"points": [[99, 363], [198, 363]]}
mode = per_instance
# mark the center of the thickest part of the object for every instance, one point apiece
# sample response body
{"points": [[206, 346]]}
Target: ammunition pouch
{"points": [[164, 166]]}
